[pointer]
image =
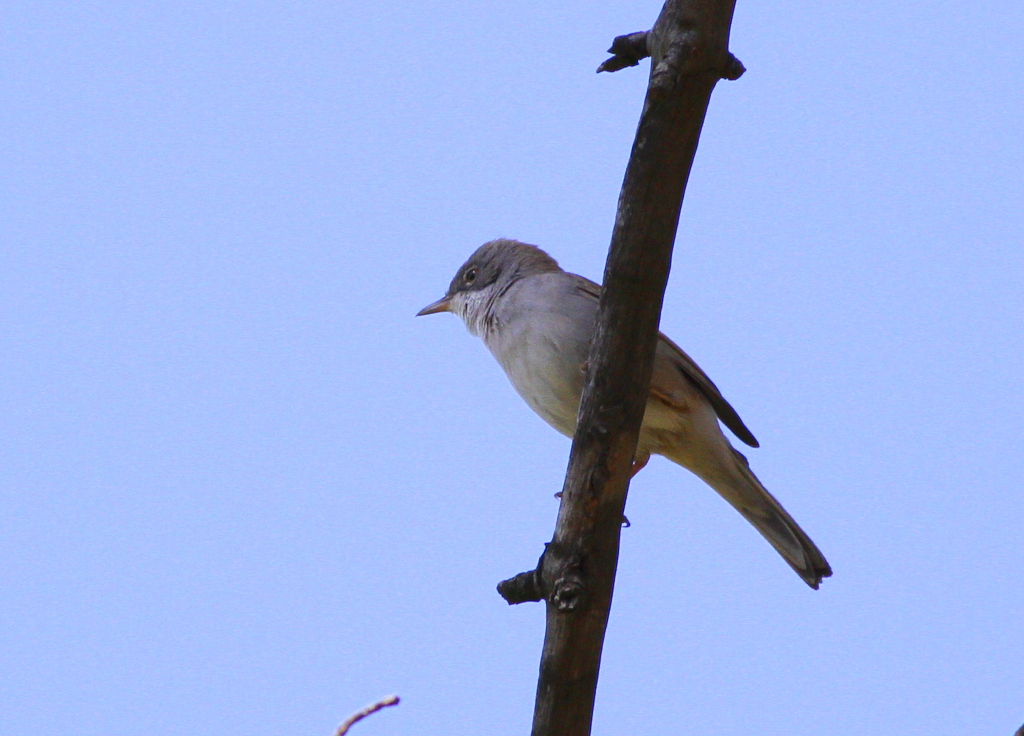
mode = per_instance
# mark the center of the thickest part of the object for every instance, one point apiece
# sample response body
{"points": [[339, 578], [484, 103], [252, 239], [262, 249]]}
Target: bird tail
{"points": [[744, 491]]}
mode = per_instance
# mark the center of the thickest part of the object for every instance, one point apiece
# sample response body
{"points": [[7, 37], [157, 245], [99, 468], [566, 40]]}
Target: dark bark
{"points": [[626, 51], [689, 50]]}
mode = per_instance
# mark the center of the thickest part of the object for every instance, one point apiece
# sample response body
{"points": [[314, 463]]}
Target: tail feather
{"points": [[744, 491]]}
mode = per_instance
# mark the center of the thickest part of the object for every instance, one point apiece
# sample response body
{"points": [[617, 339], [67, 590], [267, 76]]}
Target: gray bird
{"points": [[537, 320]]}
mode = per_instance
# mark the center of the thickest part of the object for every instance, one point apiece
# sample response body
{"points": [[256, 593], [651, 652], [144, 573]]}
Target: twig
{"points": [[368, 710]]}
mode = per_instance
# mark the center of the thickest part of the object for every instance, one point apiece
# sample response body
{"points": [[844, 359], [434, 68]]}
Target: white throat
{"points": [[477, 310]]}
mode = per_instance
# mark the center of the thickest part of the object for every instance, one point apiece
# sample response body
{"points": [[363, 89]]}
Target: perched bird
{"points": [[537, 320]]}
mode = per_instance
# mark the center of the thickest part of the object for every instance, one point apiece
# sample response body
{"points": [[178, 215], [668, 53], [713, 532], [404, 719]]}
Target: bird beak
{"points": [[441, 305]]}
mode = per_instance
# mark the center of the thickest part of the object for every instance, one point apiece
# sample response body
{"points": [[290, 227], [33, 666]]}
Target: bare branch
{"points": [[689, 50], [368, 710], [525, 587], [626, 51]]}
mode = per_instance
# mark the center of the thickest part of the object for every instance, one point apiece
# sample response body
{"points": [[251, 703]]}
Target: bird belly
{"points": [[545, 369], [550, 393], [550, 379]]}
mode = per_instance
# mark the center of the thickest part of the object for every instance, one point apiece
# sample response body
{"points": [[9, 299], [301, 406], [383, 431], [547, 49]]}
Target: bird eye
{"points": [[470, 276]]}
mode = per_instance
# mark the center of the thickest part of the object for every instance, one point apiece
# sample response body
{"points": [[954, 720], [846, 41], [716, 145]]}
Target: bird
{"points": [[537, 320]]}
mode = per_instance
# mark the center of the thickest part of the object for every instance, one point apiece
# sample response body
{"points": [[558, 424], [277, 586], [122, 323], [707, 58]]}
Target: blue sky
{"points": [[243, 490]]}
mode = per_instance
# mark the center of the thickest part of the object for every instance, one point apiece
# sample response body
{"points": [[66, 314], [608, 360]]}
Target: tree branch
{"points": [[368, 710], [689, 50], [626, 51]]}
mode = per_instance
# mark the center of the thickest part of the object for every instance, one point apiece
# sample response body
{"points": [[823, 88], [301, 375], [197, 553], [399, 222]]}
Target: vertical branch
{"points": [[689, 54]]}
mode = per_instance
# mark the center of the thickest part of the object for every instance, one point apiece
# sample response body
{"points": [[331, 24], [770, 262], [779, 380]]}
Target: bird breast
{"points": [[542, 346]]}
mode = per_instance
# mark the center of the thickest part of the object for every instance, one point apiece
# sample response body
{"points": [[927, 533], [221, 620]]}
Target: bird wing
{"points": [[706, 386], [688, 368]]}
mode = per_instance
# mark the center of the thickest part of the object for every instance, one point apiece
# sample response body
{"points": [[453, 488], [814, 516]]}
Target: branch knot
{"points": [[733, 69], [570, 593], [558, 579]]}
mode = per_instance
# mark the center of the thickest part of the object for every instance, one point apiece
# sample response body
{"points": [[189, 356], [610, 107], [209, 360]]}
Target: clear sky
{"points": [[244, 491]]}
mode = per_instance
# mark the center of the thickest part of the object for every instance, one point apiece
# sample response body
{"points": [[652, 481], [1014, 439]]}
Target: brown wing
{"points": [[587, 287], [692, 371], [707, 387]]}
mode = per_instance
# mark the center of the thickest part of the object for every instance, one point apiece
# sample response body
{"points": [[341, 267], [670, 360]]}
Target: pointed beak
{"points": [[441, 305]]}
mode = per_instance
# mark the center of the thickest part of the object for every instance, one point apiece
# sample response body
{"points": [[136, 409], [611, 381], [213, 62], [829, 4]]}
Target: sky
{"points": [[243, 490]]}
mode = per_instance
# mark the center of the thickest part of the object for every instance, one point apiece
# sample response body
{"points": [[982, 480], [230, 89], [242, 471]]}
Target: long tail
{"points": [[744, 491]]}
